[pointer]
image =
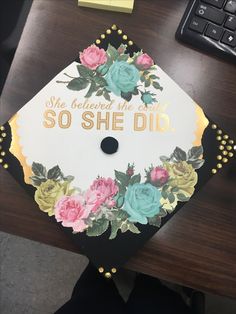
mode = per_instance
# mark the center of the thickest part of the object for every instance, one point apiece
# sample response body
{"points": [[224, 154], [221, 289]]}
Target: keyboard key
{"points": [[197, 25], [231, 23], [230, 6], [229, 39], [215, 3], [210, 14], [214, 32]]}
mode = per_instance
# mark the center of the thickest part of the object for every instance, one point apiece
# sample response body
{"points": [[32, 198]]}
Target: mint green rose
{"points": [[142, 201], [147, 98], [122, 77]]}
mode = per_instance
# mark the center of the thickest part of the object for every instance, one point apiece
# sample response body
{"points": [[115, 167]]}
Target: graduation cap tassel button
{"points": [[109, 145]]}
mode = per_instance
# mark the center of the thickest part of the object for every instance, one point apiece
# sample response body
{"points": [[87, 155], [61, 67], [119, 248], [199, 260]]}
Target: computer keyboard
{"points": [[210, 25]]}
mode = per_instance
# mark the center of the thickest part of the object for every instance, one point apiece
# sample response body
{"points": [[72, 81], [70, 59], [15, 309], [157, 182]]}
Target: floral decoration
{"points": [[115, 71], [119, 204]]}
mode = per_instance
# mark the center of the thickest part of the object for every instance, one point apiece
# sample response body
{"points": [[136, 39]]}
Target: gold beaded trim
{"points": [[114, 28], [225, 148], [107, 274], [3, 135]]}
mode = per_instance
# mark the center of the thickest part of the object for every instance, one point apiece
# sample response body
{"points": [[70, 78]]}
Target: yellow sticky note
{"points": [[111, 5]]}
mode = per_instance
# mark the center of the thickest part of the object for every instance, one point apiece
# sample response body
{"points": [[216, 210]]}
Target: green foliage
{"points": [[78, 84], [98, 228]]}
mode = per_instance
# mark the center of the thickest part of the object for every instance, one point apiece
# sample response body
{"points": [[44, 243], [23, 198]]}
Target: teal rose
{"points": [[122, 77], [147, 98], [142, 201]]}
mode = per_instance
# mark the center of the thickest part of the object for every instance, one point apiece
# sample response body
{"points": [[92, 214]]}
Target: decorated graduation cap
{"points": [[111, 148]]}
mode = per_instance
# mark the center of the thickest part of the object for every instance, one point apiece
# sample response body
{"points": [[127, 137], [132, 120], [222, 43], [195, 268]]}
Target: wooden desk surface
{"points": [[197, 247]]}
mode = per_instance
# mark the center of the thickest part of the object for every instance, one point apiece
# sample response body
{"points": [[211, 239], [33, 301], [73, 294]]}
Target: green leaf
{"points": [[122, 188], [68, 178], [153, 77], [124, 57], [54, 173], [91, 90], [181, 197], [155, 221], [100, 81], [37, 181], [142, 78], [112, 52], [98, 228], [133, 228], [135, 91], [120, 201], [135, 179], [106, 95], [195, 152], [122, 215], [179, 154], [124, 227], [156, 85], [196, 164], [175, 189], [147, 83], [164, 158], [78, 84], [171, 197], [123, 178], [84, 72], [115, 226], [99, 92], [39, 170], [126, 96]]}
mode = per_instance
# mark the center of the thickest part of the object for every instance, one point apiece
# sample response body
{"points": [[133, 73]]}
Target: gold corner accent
{"points": [[219, 132], [214, 126], [108, 31], [103, 36], [101, 270], [202, 122], [125, 37], [214, 171], [5, 166], [119, 31], [113, 270], [130, 43], [16, 150], [114, 27]]}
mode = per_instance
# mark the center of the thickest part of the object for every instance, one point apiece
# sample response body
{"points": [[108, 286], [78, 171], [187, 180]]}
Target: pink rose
{"points": [[110, 203], [93, 56], [93, 200], [159, 176], [106, 187], [144, 61], [70, 210]]}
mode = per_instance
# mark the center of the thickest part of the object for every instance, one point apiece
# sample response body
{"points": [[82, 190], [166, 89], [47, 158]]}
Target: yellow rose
{"points": [[49, 192], [183, 176]]}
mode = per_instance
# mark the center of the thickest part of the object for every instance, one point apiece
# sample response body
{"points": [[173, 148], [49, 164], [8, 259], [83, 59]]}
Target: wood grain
{"points": [[197, 247]]}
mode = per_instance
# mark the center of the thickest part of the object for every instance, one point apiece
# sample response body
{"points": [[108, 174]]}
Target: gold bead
{"points": [[231, 141], [103, 36], [219, 157], [114, 27], [130, 43], [225, 137], [4, 134], [1, 139], [108, 275], [223, 142], [113, 270], [221, 147], [101, 270], [231, 154], [1, 160], [98, 41], [119, 31], [225, 160], [219, 166], [228, 147], [2, 128], [213, 126], [125, 37], [219, 138], [3, 153], [225, 152], [219, 132], [5, 166], [213, 171], [108, 31]]}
